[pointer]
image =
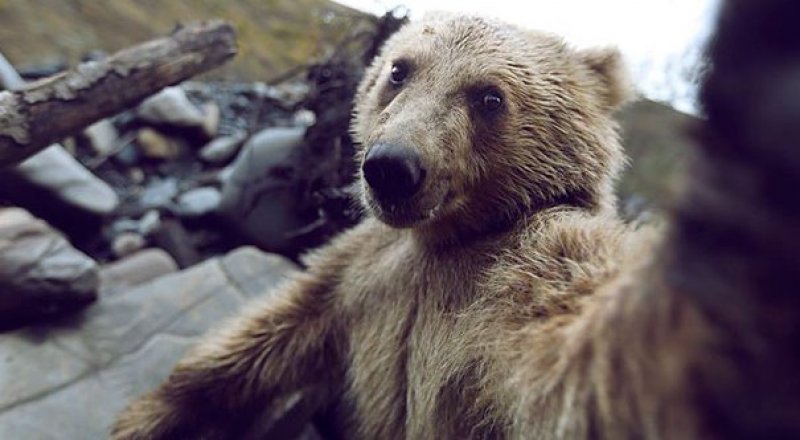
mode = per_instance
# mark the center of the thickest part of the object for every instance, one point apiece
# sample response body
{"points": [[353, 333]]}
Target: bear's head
{"points": [[467, 124]]}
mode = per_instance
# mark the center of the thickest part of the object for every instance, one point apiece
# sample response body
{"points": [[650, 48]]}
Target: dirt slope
{"points": [[275, 35]]}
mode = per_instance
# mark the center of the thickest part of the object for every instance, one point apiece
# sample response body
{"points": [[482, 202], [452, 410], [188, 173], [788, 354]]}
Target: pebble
{"points": [[198, 202], [150, 223], [155, 145], [127, 243], [223, 149], [102, 137], [159, 193], [171, 106], [304, 118]]}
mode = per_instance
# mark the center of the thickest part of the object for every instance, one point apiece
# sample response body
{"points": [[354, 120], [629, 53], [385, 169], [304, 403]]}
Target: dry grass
{"points": [[274, 35]]}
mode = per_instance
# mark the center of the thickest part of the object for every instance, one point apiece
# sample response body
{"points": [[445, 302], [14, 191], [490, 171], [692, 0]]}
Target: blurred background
{"points": [[125, 241], [274, 35], [662, 39]]}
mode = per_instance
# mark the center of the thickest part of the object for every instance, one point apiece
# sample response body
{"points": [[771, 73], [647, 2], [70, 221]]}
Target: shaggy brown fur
{"points": [[505, 299]]}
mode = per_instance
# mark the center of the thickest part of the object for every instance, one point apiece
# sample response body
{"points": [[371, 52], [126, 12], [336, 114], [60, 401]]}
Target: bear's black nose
{"points": [[393, 172]]}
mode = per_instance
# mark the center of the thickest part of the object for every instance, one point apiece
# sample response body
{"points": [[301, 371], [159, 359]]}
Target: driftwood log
{"points": [[49, 110]]}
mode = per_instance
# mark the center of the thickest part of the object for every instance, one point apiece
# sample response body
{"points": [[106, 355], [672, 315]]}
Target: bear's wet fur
{"points": [[499, 296]]}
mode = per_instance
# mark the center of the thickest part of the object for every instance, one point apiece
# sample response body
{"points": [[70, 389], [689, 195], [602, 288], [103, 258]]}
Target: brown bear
{"points": [[492, 292]]}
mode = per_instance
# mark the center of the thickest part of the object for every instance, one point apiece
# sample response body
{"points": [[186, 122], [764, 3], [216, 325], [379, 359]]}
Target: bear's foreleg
{"points": [[283, 344]]}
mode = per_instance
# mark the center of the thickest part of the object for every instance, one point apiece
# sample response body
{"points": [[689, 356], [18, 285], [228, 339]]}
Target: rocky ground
{"points": [[121, 245], [67, 379]]}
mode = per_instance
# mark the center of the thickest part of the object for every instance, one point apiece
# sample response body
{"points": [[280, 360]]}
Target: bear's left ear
{"points": [[611, 75]]}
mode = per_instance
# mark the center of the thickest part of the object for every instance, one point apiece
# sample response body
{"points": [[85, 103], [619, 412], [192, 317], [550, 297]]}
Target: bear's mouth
{"points": [[409, 213], [396, 214]]}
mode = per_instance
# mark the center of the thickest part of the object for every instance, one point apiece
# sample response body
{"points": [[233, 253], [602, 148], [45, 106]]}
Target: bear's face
{"points": [[473, 123]]}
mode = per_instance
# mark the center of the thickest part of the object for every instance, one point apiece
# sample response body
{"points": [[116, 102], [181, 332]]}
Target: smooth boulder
{"points": [[41, 275], [261, 192]]}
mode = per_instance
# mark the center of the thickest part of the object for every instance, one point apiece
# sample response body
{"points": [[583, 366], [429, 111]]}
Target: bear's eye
{"points": [[492, 101], [399, 73]]}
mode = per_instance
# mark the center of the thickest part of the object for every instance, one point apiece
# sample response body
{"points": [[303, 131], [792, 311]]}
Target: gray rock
{"points": [[124, 224], [198, 202], [78, 378], [127, 243], [10, 216], [159, 193], [223, 149], [304, 118], [41, 274], [145, 226], [10, 79], [171, 106], [201, 88], [56, 171], [259, 198], [254, 272], [65, 178], [150, 223], [136, 269], [102, 137]]}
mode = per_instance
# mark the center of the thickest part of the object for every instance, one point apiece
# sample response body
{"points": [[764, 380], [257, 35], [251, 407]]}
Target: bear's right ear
{"points": [[611, 75]]}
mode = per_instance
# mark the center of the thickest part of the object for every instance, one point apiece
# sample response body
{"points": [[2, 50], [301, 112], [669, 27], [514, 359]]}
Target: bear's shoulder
{"points": [[558, 257]]}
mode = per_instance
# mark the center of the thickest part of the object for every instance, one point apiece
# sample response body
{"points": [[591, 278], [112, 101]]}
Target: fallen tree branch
{"points": [[47, 111]]}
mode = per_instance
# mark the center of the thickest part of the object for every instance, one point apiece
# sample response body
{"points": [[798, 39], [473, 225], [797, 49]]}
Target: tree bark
{"points": [[49, 110]]}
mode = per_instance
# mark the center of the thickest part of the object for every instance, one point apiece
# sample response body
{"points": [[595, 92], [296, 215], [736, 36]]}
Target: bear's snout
{"points": [[393, 172]]}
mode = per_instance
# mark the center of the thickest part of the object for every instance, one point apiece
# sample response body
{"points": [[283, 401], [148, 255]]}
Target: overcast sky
{"points": [[658, 37]]}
